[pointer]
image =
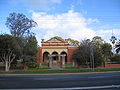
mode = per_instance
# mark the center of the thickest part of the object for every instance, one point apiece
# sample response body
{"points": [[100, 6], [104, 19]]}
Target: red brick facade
{"points": [[39, 56], [56, 45], [70, 53]]}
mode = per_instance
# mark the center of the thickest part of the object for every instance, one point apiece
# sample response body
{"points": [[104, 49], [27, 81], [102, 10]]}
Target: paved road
{"points": [[74, 81]]}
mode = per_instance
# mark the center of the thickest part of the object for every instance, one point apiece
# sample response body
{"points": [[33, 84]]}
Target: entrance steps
{"points": [[56, 67]]}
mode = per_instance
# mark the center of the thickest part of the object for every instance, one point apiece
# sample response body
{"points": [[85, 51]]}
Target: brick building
{"points": [[57, 46]]}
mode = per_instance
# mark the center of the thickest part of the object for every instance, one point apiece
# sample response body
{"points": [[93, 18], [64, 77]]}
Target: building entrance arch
{"points": [[45, 56], [56, 64], [55, 56], [64, 53]]}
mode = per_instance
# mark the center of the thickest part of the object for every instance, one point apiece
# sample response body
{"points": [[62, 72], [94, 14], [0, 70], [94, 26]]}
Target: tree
{"points": [[30, 48], [72, 42], [98, 41], [113, 40], [19, 24], [103, 48], [8, 49], [82, 56], [106, 50], [96, 50], [117, 46], [98, 56]]}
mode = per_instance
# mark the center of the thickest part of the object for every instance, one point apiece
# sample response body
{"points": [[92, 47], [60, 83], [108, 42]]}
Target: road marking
{"points": [[74, 88]]}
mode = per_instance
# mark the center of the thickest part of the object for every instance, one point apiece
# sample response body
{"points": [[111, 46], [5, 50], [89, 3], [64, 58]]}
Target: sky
{"points": [[76, 19]]}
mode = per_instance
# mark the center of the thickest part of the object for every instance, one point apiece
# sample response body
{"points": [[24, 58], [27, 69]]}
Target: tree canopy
{"points": [[30, 48], [19, 24], [96, 49], [21, 44], [82, 56], [9, 49]]}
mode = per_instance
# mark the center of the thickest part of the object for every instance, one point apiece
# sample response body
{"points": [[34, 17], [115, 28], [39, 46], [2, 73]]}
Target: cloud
{"points": [[90, 20], [106, 34], [70, 24]]}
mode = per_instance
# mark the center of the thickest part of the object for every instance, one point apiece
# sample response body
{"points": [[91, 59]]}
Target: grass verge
{"points": [[106, 69], [46, 71]]}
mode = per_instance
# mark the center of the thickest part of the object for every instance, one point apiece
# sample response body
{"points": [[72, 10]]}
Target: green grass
{"points": [[72, 70], [39, 68], [45, 71], [106, 69], [97, 69]]}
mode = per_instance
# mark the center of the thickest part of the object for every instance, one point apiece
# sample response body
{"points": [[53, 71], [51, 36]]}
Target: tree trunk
{"points": [[6, 58], [6, 66]]}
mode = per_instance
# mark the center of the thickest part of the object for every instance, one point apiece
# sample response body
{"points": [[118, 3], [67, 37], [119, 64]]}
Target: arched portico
{"points": [[55, 58], [54, 63]]}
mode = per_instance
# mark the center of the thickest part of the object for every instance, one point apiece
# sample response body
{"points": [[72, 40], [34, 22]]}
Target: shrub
{"points": [[31, 64]]}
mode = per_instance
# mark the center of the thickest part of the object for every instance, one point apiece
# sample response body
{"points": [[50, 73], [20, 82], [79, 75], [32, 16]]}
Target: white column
{"points": [[63, 61], [73, 64], [50, 61]]}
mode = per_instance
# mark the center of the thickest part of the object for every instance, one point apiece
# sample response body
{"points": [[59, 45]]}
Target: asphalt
{"points": [[109, 80]]}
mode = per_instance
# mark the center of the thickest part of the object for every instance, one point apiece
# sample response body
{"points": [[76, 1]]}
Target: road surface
{"points": [[91, 81]]}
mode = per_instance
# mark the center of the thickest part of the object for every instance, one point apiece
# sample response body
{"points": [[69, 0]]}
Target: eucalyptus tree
{"points": [[19, 24], [106, 51], [95, 51], [82, 55], [20, 28], [9, 49], [30, 49]]}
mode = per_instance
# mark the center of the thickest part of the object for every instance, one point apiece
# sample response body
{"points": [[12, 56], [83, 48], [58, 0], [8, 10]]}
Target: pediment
{"points": [[56, 39]]}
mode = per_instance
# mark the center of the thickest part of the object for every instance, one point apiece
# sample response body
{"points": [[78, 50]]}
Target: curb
{"points": [[59, 73]]}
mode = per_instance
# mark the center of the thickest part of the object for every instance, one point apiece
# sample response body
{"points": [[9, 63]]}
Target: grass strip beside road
{"points": [[39, 71], [106, 69], [47, 71]]}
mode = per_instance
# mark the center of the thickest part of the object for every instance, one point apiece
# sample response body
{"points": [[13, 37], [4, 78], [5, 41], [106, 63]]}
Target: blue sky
{"points": [[78, 19]]}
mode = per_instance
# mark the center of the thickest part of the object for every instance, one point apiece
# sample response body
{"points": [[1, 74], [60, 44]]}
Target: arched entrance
{"points": [[55, 57], [64, 53], [55, 60], [45, 57]]}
